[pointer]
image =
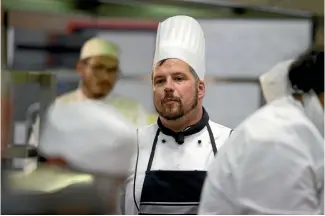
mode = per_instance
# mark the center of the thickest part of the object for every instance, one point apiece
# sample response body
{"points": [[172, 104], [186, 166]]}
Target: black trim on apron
{"points": [[172, 191]]}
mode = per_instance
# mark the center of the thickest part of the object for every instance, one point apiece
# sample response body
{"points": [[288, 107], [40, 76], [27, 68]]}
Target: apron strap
{"points": [[213, 143], [152, 154], [231, 132], [135, 173]]}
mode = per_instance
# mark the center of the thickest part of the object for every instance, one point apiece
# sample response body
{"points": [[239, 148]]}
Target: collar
{"points": [[190, 130]]}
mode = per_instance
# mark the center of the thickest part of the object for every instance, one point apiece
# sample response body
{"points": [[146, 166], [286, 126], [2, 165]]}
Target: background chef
{"points": [[85, 131], [174, 153], [98, 68]]}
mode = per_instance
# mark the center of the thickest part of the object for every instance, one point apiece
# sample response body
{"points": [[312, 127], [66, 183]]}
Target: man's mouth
{"points": [[104, 85], [170, 100]]}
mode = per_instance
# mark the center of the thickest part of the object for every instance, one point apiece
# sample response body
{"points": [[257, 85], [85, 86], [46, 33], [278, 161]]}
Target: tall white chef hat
{"points": [[181, 37], [274, 83], [98, 47]]}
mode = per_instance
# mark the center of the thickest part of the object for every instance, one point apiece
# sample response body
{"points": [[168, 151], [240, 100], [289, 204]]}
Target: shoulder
{"points": [[276, 121], [122, 101], [148, 129], [276, 127], [219, 130], [146, 135], [67, 97]]}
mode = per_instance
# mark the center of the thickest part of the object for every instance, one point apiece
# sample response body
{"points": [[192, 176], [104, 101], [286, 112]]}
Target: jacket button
{"points": [[163, 141], [199, 141]]}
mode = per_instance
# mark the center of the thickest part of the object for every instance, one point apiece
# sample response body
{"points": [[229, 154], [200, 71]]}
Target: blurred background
{"points": [[41, 41]]}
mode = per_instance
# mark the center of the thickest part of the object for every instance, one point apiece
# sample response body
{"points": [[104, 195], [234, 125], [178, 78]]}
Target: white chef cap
{"points": [[90, 136], [181, 37], [274, 83], [98, 47]]}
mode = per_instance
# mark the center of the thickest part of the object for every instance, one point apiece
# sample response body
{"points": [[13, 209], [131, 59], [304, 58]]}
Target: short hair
{"points": [[307, 72], [196, 77]]}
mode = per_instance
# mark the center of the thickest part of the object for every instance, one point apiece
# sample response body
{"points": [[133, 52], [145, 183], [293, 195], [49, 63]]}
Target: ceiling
{"points": [[314, 6]]}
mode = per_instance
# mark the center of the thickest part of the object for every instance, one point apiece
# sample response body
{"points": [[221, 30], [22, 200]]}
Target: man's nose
{"points": [[168, 90], [169, 87], [104, 75]]}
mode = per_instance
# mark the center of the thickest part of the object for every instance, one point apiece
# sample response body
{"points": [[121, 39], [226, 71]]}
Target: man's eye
{"points": [[179, 78], [158, 81]]}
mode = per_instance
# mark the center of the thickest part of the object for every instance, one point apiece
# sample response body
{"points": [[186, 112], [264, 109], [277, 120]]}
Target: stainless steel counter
{"points": [[51, 190]]}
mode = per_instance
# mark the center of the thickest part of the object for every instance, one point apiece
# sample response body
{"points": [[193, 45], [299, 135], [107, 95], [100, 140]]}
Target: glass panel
{"points": [[137, 90], [229, 104], [235, 47], [137, 49]]}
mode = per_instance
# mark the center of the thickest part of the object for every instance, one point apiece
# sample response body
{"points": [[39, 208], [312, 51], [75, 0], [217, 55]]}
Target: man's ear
{"points": [[201, 89]]}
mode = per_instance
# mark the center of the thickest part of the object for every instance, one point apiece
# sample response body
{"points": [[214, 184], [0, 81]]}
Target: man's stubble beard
{"points": [[181, 112]]}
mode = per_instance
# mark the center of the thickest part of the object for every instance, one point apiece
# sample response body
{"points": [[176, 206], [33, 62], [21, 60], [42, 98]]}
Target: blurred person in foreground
{"points": [[173, 153], [94, 138], [87, 142], [274, 161]]}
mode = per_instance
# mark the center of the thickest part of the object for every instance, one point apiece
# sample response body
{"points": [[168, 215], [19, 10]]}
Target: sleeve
{"points": [[271, 178], [217, 194], [268, 178], [277, 178]]}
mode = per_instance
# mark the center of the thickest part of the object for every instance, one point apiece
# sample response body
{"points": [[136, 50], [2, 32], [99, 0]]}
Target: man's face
{"points": [[99, 74], [176, 91]]}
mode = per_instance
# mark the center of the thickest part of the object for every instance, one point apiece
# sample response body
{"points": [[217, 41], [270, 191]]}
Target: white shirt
{"points": [[130, 109], [272, 164], [170, 156], [90, 136]]}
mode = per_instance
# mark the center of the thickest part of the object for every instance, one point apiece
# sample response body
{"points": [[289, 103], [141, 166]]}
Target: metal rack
{"points": [[47, 83]]}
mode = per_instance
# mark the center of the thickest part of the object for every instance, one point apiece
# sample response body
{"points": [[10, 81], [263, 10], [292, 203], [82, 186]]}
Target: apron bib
{"points": [[169, 192]]}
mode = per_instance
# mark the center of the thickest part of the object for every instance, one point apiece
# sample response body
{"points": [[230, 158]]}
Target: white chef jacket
{"points": [[130, 109], [91, 137], [272, 164], [169, 155]]}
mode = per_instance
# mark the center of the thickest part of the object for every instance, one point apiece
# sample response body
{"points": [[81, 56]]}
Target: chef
{"points": [[174, 153], [98, 67], [273, 164], [85, 131], [90, 137]]}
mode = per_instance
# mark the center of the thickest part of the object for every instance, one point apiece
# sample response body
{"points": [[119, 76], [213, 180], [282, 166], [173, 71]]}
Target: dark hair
{"points": [[191, 69], [307, 72]]}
